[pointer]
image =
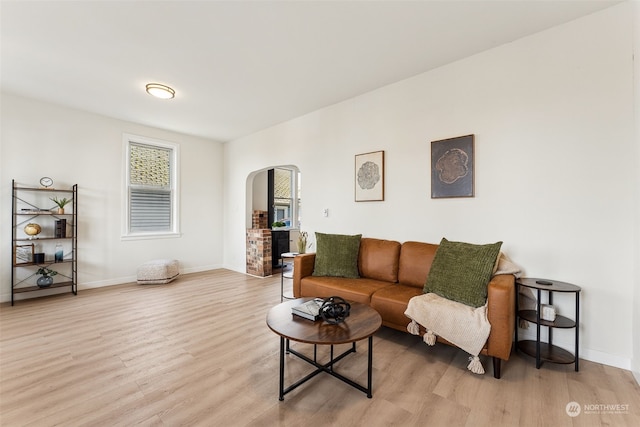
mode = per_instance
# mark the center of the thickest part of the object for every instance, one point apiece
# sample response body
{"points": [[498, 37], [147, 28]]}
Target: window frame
{"points": [[293, 205], [174, 148]]}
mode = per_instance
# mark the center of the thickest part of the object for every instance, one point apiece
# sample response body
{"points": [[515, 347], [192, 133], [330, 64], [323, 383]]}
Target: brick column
{"points": [[259, 252], [259, 219]]}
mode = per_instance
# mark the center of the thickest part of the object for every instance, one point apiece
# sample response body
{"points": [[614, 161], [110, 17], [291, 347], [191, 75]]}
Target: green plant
{"points": [[278, 224], [46, 272], [61, 202]]}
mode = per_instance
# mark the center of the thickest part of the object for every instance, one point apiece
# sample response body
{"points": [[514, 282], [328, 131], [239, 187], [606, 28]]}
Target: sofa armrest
{"points": [[302, 267], [501, 312]]}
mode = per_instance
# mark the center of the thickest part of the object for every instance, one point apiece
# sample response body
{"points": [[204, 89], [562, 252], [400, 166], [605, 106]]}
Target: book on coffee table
{"points": [[309, 310]]}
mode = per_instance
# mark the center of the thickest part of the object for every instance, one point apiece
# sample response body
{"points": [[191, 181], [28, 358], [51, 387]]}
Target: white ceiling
{"points": [[239, 67]]}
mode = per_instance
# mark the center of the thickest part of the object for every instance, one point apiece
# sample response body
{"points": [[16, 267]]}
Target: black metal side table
{"points": [[547, 352]]}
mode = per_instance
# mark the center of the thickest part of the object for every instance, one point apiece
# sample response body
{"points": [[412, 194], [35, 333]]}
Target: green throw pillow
{"points": [[337, 255], [461, 271]]}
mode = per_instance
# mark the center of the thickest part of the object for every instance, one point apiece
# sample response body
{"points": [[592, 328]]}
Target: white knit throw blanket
{"points": [[460, 324]]}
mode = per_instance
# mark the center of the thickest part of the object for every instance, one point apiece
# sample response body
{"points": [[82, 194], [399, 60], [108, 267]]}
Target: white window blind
{"points": [[150, 210]]}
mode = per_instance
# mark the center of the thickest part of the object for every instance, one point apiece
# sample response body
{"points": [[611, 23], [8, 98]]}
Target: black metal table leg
{"points": [[281, 397], [577, 329], [327, 367], [370, 369], [538, 307]]}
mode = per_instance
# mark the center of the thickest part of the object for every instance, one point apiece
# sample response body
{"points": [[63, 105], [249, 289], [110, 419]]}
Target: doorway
{"points": [[276, 190]]}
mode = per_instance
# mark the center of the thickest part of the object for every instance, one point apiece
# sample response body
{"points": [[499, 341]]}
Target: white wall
{"points": [[260, 187], [77, 147], [554, 123]]}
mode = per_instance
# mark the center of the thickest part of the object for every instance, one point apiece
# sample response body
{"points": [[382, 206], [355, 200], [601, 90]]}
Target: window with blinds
{"points": [[150, 188]]}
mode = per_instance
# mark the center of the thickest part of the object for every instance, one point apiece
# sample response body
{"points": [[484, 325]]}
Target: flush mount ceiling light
{"points": [[160, 91]]}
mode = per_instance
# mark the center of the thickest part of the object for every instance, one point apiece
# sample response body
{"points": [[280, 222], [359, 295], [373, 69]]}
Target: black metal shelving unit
{"points": [[33, 204]]}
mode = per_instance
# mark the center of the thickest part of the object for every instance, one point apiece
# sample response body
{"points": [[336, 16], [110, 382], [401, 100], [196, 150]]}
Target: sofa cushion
{"points": [[391, 302], [337, 255], [415, 263], [359, 290], [461, 271], [378, 259]]}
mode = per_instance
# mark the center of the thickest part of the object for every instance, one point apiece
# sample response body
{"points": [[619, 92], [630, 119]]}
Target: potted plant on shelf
{"points": [[61, 203], [47, 277], [279, 225]]}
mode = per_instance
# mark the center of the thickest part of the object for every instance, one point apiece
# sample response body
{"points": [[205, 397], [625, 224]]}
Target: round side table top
{"points": [[289, 254], [363, 321], [547, 284]]}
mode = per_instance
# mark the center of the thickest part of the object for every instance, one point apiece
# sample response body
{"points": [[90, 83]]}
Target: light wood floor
{"points": [[198, 352]]}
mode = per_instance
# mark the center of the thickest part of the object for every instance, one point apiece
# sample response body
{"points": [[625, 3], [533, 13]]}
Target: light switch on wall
{"points": [[325, 212]]}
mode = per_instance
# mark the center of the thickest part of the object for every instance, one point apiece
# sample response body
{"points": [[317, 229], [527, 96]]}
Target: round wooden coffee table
{"points": [[362, 323]]}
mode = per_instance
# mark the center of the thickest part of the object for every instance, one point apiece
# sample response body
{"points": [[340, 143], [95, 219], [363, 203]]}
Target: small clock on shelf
{"points": [[46, 182]]}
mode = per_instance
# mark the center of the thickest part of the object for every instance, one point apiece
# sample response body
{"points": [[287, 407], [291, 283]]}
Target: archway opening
{"points": [[275, 190]]}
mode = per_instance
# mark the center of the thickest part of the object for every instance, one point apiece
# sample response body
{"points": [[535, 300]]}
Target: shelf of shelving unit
{"points": [[37, 288], [45, 263], [25, 208], [559, 322]]}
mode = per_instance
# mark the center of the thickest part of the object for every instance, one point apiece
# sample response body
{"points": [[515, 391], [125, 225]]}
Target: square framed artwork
{"points": [[23, 254], [369, 177], [452, 167]]}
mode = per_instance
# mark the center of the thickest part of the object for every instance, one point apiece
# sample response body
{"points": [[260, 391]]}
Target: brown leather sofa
{"points": [[391, 274]]}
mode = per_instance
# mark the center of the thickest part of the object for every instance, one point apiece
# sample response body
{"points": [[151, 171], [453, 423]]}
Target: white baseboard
{"points": [[42, 293], [6, 297], [243, 270], [200, 269], [238, 269], [103, 283], [133, 279], [605, 359]]}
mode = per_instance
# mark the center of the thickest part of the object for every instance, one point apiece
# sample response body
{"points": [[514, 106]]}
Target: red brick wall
{"points": [[259, 219], [259, 252]]}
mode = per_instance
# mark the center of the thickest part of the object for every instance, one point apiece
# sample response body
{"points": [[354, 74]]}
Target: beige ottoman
{"points": [[158, 271]]}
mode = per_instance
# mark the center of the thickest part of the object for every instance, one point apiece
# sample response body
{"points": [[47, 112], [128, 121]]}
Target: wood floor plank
{"points": [[197, 352]]}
